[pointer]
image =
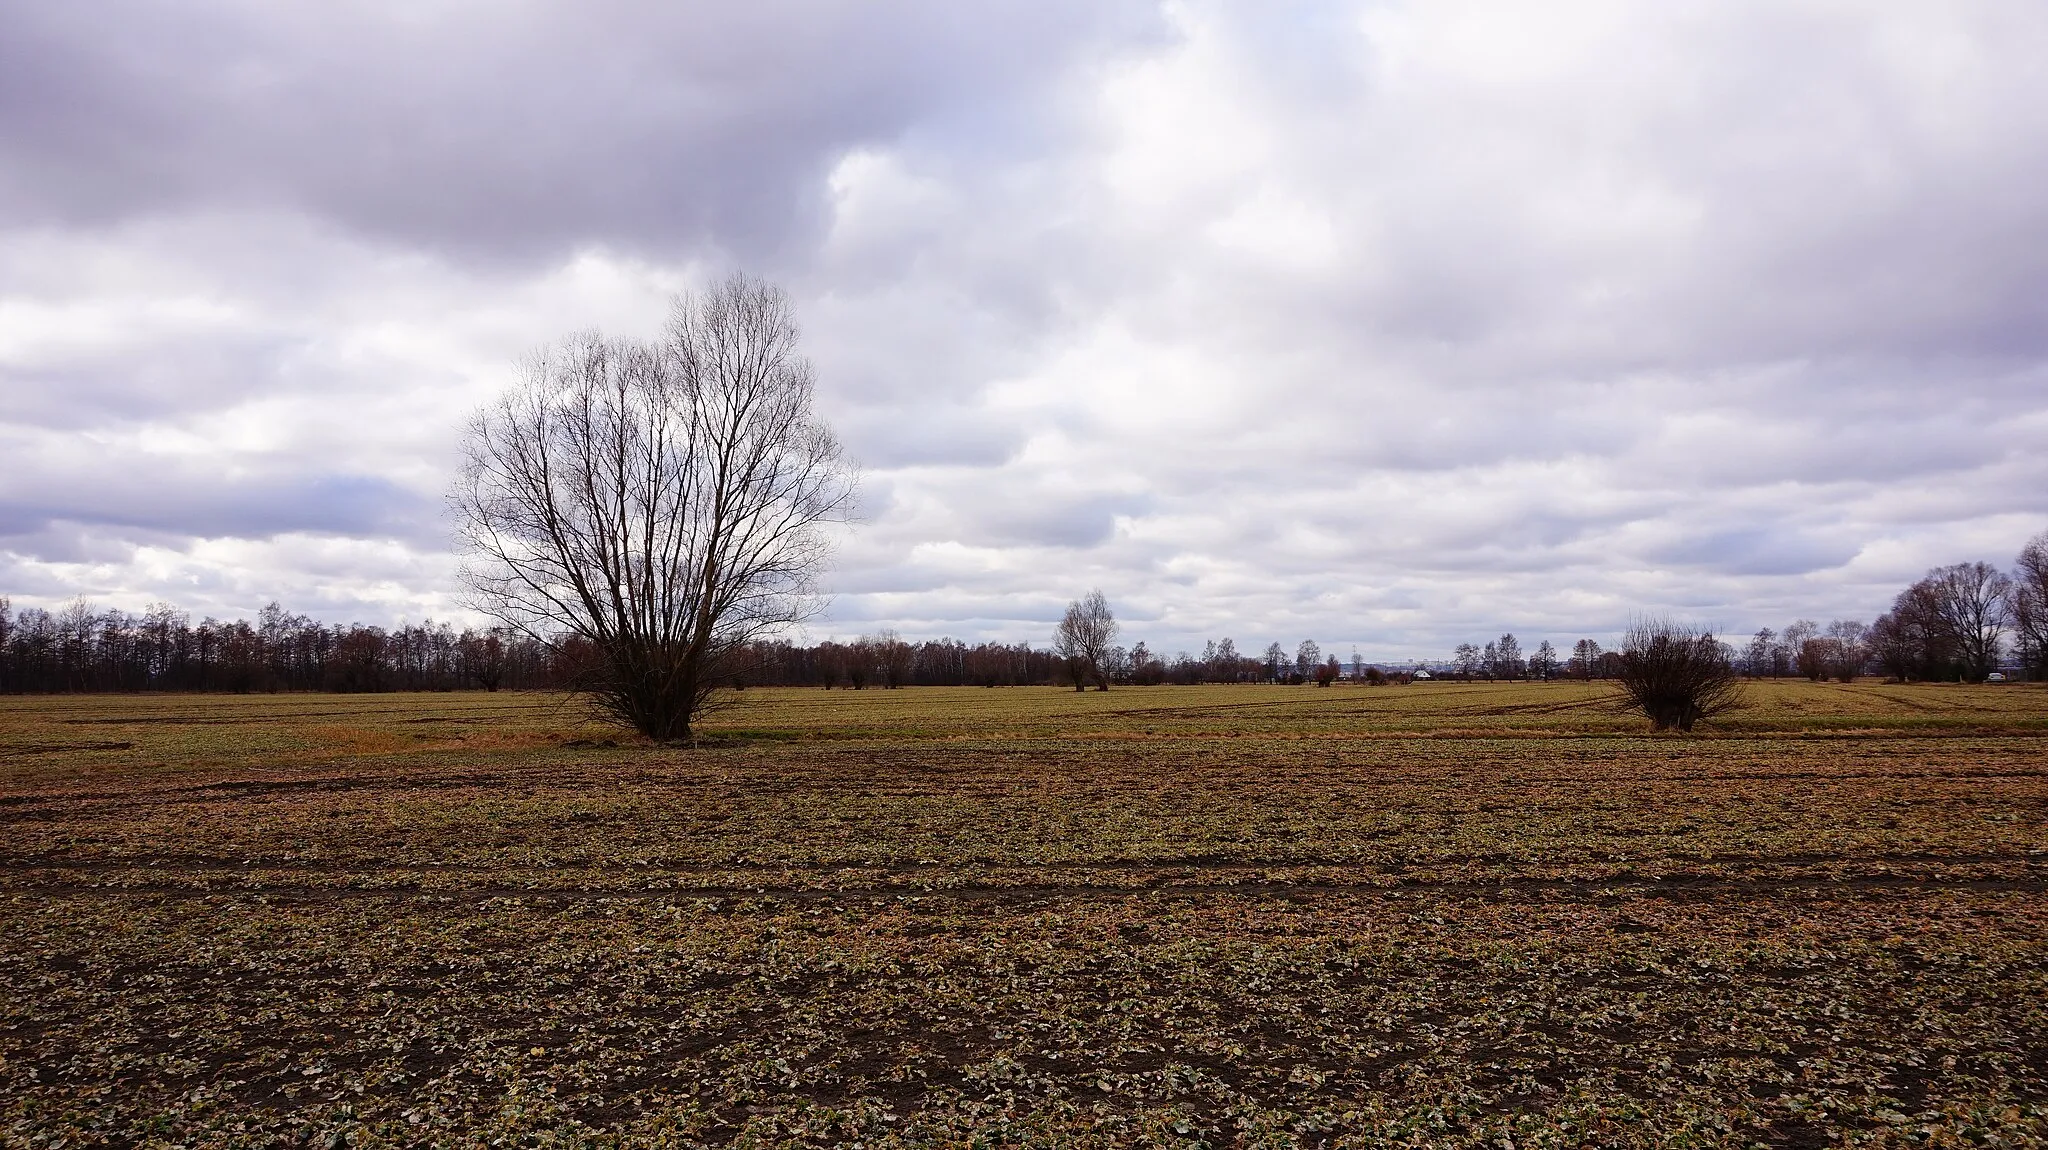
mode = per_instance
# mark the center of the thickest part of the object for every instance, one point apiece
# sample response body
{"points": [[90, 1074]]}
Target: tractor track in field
{"points": [[389, 885], [34, 806], [171, 862]]}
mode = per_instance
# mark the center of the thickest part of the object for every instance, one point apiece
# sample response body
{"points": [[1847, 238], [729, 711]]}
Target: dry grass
{"points": [[1434, 915]]}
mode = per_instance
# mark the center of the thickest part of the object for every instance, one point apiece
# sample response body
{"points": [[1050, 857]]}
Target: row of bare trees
{"points": [[1951, 625], [1955, 623], [1958, 623], [83, 649], [885, 660], [1502, 658], [1222, 662], [1805, 648], [80, 648]]}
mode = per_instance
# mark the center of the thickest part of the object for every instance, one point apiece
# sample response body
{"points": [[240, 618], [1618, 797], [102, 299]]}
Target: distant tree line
{"points": [[1959, 623], [1222, 662], [82, 649], [885, 660], [1502, 658], [79, 648]]}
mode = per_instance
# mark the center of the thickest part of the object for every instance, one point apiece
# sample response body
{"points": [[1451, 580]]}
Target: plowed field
{"points": [[1428, 915]]}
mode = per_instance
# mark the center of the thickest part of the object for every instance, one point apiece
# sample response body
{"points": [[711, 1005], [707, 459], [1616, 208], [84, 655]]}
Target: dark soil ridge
{"points": [[25, 749], [1674, 887], [230, 789], [157, 861], [1931, 733]]}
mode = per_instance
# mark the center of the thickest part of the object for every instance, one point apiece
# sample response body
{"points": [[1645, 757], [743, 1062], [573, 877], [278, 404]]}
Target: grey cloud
{"points": [[1044, 520], [1756, 551], [519, 129], [167, 377], [62, 541], [178, 502], [922, 435]]}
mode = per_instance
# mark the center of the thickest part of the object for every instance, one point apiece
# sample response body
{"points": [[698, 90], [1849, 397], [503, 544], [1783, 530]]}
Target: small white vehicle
{"points": [[1995, 677]]}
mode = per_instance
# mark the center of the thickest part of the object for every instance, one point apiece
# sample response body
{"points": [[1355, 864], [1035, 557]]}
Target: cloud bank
{"points": [[1388, 325]]}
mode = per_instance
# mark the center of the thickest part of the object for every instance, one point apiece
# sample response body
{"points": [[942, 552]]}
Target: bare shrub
{"points": [[1676, 674]]}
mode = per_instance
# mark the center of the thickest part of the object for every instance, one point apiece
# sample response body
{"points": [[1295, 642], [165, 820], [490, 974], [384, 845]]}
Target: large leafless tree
{"points": [[1083, 639], [2027, 599], [667, 501], [1967, 602]]}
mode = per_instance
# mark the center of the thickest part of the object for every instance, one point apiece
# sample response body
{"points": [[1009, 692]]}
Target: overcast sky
{"points": [[1387, 325]]}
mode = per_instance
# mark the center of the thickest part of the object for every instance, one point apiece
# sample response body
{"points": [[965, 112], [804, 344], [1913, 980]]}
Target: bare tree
{"points": [[1146, 669], [1968, 602], [1507, 657], [860, 663], [1851, 650], [1116, 665], [1893, 646], [1083, 638], [1306, 657], [891, 657], [1676, 674], [1815, 657], [1911, 641], [664, 501], [1466, 659], [1586, 659], [1760, 658], [2026, 600], [1224, 668], [482, 657]]}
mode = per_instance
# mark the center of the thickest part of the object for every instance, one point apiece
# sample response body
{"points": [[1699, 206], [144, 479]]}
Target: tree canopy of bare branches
{"points": [[2027, 598], [1676, 674], [665, 501], [1083, 639], [1958, 615]]}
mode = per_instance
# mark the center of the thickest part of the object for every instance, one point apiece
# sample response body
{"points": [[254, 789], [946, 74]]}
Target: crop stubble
{"points": [[1445, 915]]}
